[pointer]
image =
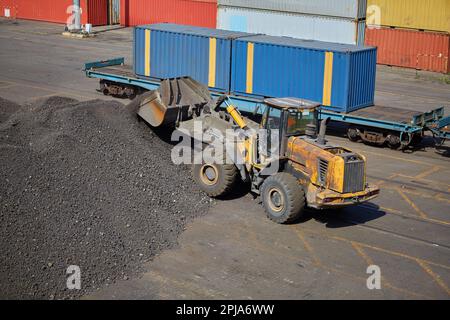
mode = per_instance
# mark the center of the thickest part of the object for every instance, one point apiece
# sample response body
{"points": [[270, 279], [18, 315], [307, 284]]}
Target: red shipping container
{"points": [[58, 11], [95, 12], [411, 49], [202, 13]]}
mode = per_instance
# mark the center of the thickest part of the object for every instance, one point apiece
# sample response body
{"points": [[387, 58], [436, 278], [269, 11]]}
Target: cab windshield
{"points": [[297, 121]]}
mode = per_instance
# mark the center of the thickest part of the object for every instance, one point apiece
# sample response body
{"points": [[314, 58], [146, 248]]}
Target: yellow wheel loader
{"points": [[288, 163]]}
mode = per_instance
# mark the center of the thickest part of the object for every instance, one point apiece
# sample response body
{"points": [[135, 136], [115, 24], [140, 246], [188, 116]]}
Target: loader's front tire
{"points": [[215, 179], [283, 198]]}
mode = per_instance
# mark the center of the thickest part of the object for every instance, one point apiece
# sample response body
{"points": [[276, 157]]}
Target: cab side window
{"points": [[273, 119]]}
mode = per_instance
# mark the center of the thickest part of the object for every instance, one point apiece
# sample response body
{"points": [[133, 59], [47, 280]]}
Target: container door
{"points": [[113, 11]]}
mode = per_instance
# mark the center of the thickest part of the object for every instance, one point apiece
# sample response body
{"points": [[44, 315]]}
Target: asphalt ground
{"points": [[235, 251]]}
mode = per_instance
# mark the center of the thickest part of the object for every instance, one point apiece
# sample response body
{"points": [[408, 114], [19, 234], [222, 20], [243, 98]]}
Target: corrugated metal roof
{"points": [[309, 44], [199, 31]]}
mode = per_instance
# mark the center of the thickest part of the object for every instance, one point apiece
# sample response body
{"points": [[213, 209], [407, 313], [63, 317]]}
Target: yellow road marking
{"points": [[412, 204], [318, 263], [428, 172], [435, 277], [381, 182], [402, 214], [361, 252], [396, 158], [393, 211], [370, 262], [308, 247], [445, 185], [386, 284], [440, 197], [196, 289], [394, 253], [437, 197], [367, 259]]}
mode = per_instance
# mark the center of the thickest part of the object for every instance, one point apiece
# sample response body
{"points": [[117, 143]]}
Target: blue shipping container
{"points": [[341, 77], [170, 50]]}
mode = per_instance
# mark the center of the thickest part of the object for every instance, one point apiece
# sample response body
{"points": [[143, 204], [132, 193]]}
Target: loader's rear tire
{"points": [[215, 179], [283, 198]]}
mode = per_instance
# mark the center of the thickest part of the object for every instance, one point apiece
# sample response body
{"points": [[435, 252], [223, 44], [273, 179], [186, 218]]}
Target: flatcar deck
{"points": [[387, 114]]}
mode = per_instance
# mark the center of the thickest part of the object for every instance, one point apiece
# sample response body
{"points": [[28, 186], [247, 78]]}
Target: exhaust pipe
{"points": [[323, 131]]}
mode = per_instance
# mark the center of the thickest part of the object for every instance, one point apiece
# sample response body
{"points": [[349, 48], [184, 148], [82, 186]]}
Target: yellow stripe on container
{"points": [[147, 53], [212, 62], [250, 56], [327, 79]]}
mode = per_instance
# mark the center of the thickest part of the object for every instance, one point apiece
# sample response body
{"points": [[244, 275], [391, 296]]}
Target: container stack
{"points": [[410, 33], [126, 12], [58, 11], [200, 13], [340, 21]]}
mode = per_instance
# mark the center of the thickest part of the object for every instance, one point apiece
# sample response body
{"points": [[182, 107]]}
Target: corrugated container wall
{"points": [[341, 77], [190, 12], [411, 49], [58, 11], [170, 50], [415, 14], [354, 9], [321, 28], [97, 12]]}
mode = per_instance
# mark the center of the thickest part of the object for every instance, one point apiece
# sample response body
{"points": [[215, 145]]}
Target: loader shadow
{"points": [[428, 143], [344, 217], [443, 151], [240, 190]]}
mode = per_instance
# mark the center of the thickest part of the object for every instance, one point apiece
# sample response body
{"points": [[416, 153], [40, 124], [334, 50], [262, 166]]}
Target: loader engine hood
{"points": [[330, 167]]}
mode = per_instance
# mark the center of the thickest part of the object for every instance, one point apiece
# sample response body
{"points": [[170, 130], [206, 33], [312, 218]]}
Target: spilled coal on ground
{"points": [[85, 184]]}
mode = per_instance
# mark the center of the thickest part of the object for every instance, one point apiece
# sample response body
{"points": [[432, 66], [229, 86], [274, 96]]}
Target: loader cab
{"points": [[287, 117]]}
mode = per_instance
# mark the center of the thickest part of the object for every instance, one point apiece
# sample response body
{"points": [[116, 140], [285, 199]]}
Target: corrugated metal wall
{"points": [[341, 77], [169, 50], [355, 9], [322, 28], [416, 14], [96, 12], [49, 10], [192, 12], [93, 11], [412, 49]]}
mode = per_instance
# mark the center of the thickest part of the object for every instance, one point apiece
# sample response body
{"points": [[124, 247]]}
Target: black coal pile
{"points": [[85, 184]]}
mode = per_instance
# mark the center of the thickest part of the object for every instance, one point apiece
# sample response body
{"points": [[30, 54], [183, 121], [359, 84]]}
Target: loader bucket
{"points": [[153, 110], [174, 101]]}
